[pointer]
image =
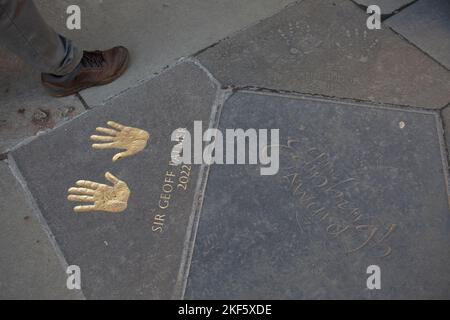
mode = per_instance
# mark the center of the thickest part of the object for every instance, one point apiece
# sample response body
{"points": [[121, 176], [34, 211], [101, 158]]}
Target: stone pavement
{"points": [[363, 176]]}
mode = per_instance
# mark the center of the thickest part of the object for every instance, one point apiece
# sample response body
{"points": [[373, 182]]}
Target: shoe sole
{"points": [[58, 94]]}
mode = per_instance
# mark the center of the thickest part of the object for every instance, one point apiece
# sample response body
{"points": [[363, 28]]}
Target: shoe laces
{"points": [[93, 59]]}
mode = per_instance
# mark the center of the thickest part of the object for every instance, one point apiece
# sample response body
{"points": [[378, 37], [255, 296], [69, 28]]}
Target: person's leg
{"points": [[65, 69], [24, 32]]}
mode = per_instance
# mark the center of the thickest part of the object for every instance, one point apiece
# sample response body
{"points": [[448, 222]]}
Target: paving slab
{"points": [[157, 32], [353, 191], [29, 266], [323, 47], [25, 109], [136, 253], [427, 25], [386, 6]]}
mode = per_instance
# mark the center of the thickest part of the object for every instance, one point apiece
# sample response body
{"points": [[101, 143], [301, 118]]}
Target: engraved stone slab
{"points": [[386, 6], [427, 25], [357, 186], [123, 255], [324, 47]]}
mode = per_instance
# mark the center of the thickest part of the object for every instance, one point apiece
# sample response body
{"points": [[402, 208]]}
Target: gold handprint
{"points": [[132, 140], [104, 198]]}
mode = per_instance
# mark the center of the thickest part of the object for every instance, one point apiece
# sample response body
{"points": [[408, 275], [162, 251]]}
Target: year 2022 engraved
{"points": [[177, 178], [185, 176]]}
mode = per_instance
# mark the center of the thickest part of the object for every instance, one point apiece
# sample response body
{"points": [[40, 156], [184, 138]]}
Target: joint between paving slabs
{"points": [[369, 103], [418, 48], [222, 95], [445, 148], [401, 8], [386, 15], [445, 129], [140, 82]]}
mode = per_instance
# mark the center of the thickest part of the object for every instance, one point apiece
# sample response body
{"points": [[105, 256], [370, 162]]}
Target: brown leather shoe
{"points": [[95, 69]]}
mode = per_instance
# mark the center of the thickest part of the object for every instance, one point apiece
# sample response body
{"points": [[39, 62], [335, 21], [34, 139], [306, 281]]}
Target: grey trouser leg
{"points": [[24, 32]]}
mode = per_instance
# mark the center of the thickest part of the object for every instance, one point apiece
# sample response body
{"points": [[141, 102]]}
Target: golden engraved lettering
{"points": [[167, 188], [166, 197], [168, 180], [163, 204], [184, 178], [159, 220], [158, 223]]}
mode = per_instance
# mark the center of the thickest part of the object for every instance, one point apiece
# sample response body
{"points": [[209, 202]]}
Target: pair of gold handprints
{"points": [[103, 197]]}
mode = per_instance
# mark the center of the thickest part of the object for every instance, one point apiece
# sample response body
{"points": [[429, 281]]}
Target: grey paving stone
{"points": [[157, 32], [25, 109], [386, 6], [357, 186], [323, 47], [427, 25], [120, 255], [29, 267]]}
